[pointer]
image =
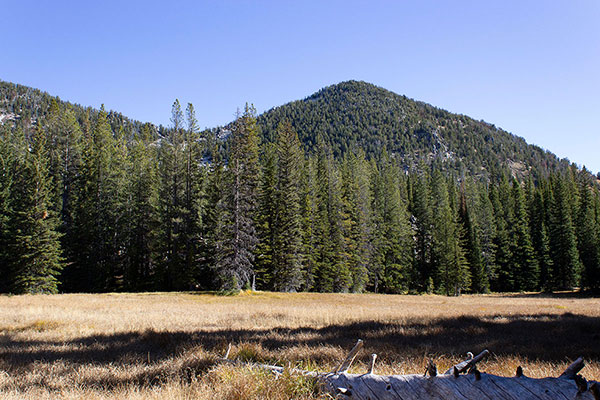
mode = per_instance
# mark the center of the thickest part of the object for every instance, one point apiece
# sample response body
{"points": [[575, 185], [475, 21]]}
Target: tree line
{"points": [[88, 208]]}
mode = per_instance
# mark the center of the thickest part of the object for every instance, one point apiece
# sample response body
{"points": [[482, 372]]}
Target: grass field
{"points": [[164, 346]]}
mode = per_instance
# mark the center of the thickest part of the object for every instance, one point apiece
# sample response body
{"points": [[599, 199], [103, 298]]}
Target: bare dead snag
{"points": [[572, 370], [469, 363], [343, 367], [431, 369], [372, 366]]}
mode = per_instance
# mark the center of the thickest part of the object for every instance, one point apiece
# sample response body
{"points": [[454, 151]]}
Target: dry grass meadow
{"points": [[166, 345]]}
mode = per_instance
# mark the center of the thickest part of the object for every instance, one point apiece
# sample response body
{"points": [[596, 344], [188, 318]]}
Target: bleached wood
{"points": [[372, 365], [450, 386], [343, 367], [465, 387], [573, 369], [468, 363]]}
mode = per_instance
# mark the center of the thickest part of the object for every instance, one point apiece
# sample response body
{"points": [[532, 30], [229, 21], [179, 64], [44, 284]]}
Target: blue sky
{"points": [[530, 67]]}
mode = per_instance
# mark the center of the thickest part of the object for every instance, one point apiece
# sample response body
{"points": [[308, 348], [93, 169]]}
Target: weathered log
{"points": [[450, 386], [469, 363], [412, 387]]}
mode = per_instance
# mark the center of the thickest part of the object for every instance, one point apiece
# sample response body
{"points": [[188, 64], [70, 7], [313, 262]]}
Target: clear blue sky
{"points": [[530, 67]]}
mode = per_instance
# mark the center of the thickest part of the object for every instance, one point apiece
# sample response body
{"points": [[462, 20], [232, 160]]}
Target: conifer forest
{"points": [[353, 189]]}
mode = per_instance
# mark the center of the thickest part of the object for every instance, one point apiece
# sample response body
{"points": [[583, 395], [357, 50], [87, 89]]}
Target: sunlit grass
{"points": [[167, 345]]}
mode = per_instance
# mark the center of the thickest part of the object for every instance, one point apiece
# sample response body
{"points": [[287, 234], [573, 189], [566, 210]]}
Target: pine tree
{"points": [[452, 273], [422, 225], [486, 231], [523, 260], [393, 244], [235, 260], [213, 218], [7, 172], [35, 253], [308, 210], [267, 218], [172, 175], [192, 205], [471, 244], [588, 241], [332, 273], [356, 200], [287, 243], [503, 278], [563, 243], [539, 237], [94, 211], [142, 214]]}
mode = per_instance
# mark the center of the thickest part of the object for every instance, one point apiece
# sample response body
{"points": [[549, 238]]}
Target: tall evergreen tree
{"points": [[471, 244], [173, 180], [588, 241], [308, 211], [422, 227], [563, 242], [8, 155], [235, 260], [142, 215], [356, 201], [35, 255], [503, 278], [523, 260], [393, 244], [452, 271], [539, 238], [94, 211], [287, 243], [267, 217]]}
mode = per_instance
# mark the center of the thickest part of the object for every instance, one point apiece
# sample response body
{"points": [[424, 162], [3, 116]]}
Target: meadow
{"points": [[167, 345]]}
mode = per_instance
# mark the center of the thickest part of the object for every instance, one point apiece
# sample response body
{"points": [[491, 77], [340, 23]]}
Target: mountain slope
{"points": [[24, 106], [350, 115], [359, 114]]}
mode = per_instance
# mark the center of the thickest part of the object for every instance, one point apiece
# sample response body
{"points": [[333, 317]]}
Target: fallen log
{"points": [[461, 382]]}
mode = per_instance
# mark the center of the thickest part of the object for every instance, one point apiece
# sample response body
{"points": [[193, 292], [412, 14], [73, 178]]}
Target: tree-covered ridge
{"points": [[360, 115], [25, 106], [85, 206]]}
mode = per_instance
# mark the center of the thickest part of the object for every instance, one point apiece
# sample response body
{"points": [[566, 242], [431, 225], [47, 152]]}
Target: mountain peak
{"points": [[353, 114]]}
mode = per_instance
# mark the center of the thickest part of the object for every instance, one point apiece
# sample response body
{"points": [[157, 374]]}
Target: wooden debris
{"points": [[450, 386], [343, 367], [572, 370], [372, 367], [431, 369]]}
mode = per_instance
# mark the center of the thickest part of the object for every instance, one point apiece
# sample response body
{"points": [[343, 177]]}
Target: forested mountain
{"points": [[360, 115], [352, 189]]}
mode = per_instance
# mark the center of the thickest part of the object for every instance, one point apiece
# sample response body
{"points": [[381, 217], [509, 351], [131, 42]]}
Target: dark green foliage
{"points": [[267, 218], [392, 235], [471, 245], [452, 274], [235, 247], [287, 242], [539, 238], [34, 254], [588, 240], [380, 193], [563, 243], [524, 264], [358, 114]]}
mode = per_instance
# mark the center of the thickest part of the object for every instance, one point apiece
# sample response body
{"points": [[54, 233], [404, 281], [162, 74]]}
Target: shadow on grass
{"points": [[536, 337]]}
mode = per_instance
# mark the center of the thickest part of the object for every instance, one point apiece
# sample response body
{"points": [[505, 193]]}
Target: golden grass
{"points": [[166, 345]]}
